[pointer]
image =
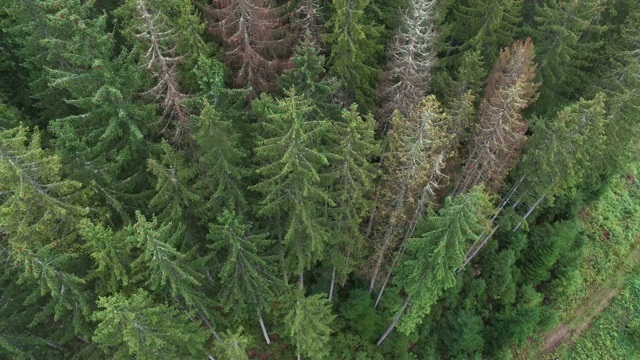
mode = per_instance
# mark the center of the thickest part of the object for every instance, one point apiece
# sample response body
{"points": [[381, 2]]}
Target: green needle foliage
{"points": [[293, 176], [309, 325], [160, 266], [136, 328], [247, 275], [432, 258], [355, 44], [180, 179]]}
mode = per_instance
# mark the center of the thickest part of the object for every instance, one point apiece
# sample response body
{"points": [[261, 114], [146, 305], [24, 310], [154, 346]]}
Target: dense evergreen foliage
{"points": [[346, 179]]}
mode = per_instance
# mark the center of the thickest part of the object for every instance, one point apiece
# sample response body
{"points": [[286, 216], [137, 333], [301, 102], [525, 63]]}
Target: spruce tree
{"points": [[136, 328], [485, 26], [111, 254], [351, 189], [174, 200], [558, 158], [566, 48], [431, 259], [417, 149], [412, 56], [309, 325], [546, 245], [293, 179], [161, 267], [102, 140], [355, 45], [309, 78], [500, 132], [25, 25], [158, 39], [221, 158], [39, 216], [256, 38], [231, 346], [248, 275]]}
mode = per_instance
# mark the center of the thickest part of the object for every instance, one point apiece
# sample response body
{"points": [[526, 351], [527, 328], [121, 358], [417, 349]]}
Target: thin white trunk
{"points": [[206, 322], [475, 251], [301, 278], [384, 285], [264, 332], [533, 207], [393, 323], [333, 281], [393, 265], [375, 275], [506, 199]]}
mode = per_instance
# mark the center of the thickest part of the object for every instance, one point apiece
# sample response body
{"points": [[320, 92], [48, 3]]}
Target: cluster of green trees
{"points": [[342, 179]]}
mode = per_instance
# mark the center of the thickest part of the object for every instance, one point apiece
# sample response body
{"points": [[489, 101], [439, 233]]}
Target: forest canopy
{"points": [[310, 179]]}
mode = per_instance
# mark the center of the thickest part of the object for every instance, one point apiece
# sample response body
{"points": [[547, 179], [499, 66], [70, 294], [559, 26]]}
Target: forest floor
{"points": [[590, 307]]}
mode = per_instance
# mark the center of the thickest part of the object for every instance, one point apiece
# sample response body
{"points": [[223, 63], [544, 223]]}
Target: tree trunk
{"points": [[533, 207], [375, 275], [384, 285], [395, 261], [477, 250], [333, 280], [264, 331], [206, 322], [301, 277], [506, 199], [393, 323]]}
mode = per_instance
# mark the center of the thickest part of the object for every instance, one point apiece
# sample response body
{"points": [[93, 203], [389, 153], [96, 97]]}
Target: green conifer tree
{"points": [[418, 147], [293, 171], [564, 50], [248, 276], [558, 158], [161, 267], [102, 140], [309, 325], [431, 260], [485, 26], [159, 29], [310, 80], [136, 328], [175, 201], [351, 189], [231, 346], [39, 215], [546, 245], [111, 254], [355, 45]]}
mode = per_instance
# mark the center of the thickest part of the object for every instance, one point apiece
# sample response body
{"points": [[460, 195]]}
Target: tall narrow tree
{"points": [[355, 44], [248, 275], [486, 26], [256, 40], [309, 325], [431, 259], [417, 150], [412, 56], [500, 132], [565, 51], [101, 141], [136, 328], [293, 170], [158, 41], [351, 189]]}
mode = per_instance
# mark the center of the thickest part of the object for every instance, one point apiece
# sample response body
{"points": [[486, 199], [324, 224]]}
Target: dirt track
{"points": [[590, 307]]}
